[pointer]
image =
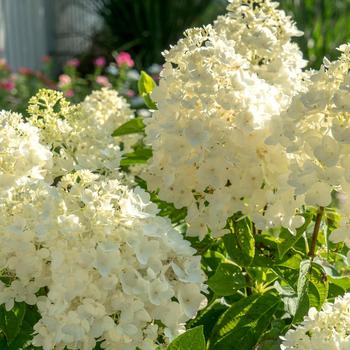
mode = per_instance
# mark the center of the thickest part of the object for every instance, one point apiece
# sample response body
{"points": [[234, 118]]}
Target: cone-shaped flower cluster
{"points": [[219, 88]]}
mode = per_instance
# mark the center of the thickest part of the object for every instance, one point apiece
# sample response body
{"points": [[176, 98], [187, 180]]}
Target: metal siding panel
{"points": [[25, 32], [75, 26], [2, 30], [33, 28]]}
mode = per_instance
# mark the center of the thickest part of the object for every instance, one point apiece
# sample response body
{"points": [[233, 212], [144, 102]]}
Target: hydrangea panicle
{"points": [[219, 88], [315, 132], [81, 136]]}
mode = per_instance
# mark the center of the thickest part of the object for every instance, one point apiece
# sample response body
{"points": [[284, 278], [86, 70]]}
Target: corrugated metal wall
{"points": [[24, 32], [30, 29], [75, 23]]}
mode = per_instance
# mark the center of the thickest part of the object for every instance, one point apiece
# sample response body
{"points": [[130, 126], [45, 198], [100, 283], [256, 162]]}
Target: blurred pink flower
{"points": [[46, 59], [8, 85], [25, 71], [100, 61], [73, 62], [130, 93], [69, 93], [63, 80], [103, 81], [124, 58]]}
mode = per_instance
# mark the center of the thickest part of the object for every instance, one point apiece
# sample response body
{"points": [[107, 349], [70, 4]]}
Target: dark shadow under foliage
{"points": [[145, 28]]}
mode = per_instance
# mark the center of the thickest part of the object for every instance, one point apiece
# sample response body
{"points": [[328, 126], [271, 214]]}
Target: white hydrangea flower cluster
{"points": [[315, 131], [219, 88], [110, 265], [104, 110], [322, 330], [20, 157], [81, 136], [91, 253]]}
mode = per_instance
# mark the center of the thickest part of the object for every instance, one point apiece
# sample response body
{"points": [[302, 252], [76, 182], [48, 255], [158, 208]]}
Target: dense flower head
{"points": [[261, 34], [91, 253], [322, 330], [22, 156], [106, 110], [220, 86], [81, 136], [110, 265], [315, 131]]}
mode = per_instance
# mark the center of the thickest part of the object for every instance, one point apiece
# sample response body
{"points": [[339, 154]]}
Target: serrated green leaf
{"points": [[287, 240], [288, 296], [241, 326], [227, 279], [318, 287], [302, 301], [192, 339], [240, 243], [291, 262], [132, 126]]}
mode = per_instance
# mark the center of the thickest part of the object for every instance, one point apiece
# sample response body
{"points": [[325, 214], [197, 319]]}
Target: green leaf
{"points": [[149, 102], [318, 287], [241, 326], [213, 259], [139, 156], [11, 321], [287, 239], [145, 86], [192, 339], [312, 290], [288, 296], [240, 243], [227, 279], [334, 291], [302, 301], [342, 282], [292, 262], [25, 328], [132, 126], [208, 317], [271, 339]]}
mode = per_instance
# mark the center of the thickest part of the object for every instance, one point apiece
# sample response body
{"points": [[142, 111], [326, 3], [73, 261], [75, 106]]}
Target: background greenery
{"points": [[326, 24], [146, 27]]}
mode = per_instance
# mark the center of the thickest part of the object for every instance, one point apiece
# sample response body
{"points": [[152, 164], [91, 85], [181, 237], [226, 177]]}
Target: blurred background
{"points": [[31, 29], [80, 45]]}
